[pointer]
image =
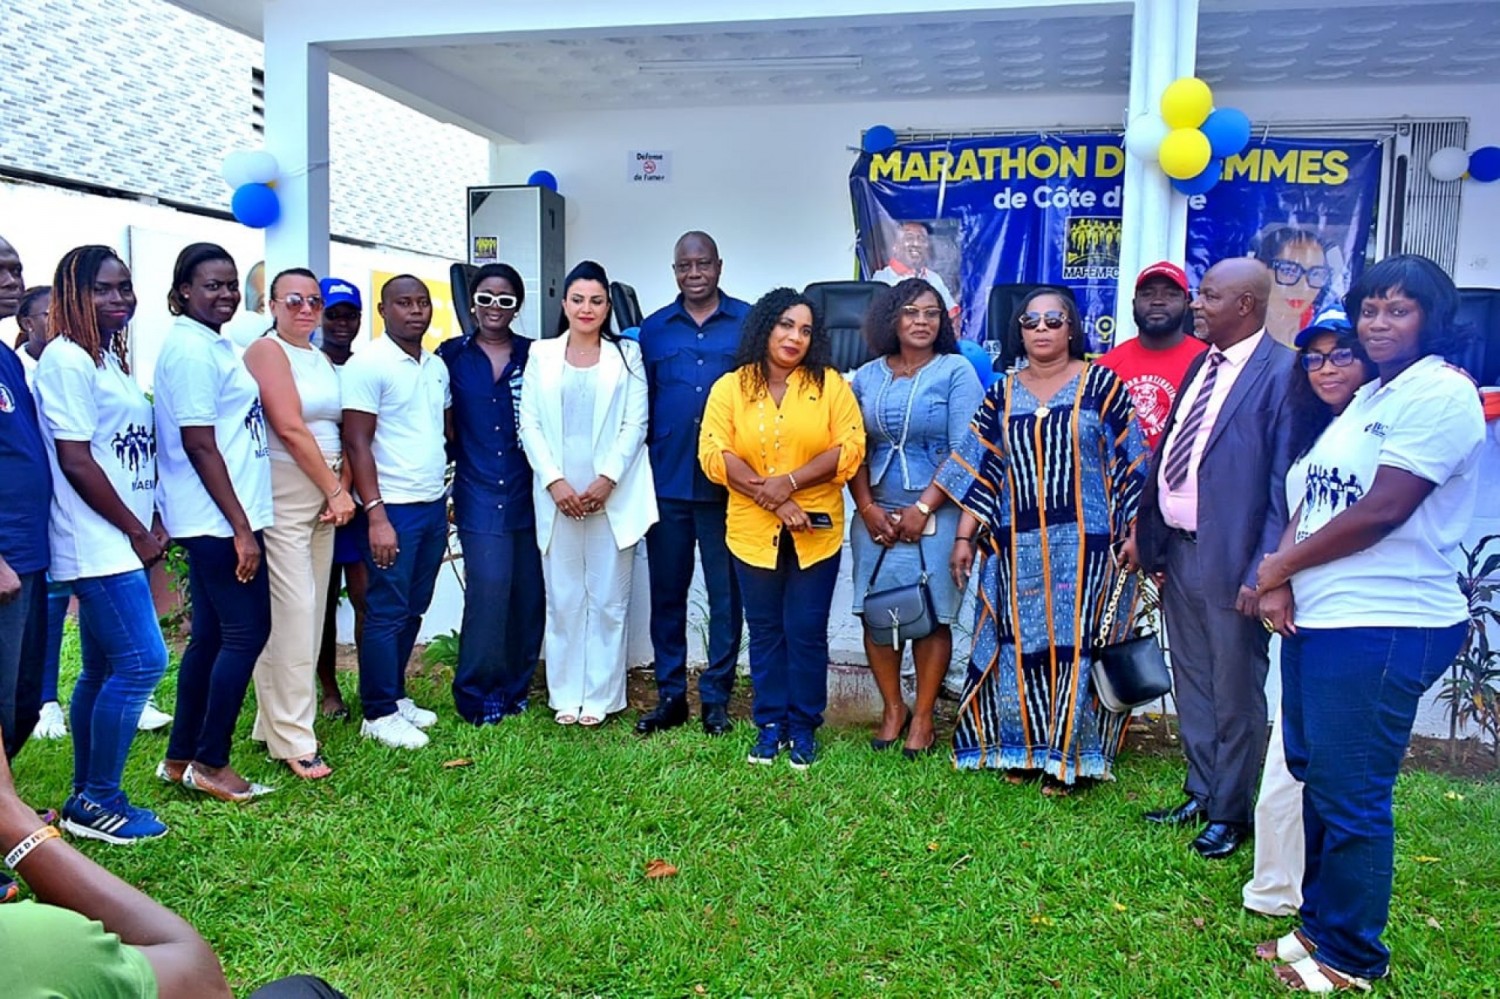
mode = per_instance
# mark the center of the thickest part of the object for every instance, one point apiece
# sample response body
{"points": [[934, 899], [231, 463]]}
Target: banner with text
{"points": [[969, 214]]}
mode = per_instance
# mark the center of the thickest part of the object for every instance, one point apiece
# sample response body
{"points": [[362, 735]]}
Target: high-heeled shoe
{"points": [[914, 754], [880, 745]]}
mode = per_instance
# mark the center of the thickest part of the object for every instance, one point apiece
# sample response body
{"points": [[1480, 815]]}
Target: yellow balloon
{"points": [[1184, 153], [1186, 103]]}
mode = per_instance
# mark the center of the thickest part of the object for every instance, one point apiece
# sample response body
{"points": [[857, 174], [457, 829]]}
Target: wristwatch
{"points": [[923, 508]]}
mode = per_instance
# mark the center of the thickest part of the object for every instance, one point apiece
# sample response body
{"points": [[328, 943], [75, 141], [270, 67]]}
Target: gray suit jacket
{"points": [[1241, 477]]}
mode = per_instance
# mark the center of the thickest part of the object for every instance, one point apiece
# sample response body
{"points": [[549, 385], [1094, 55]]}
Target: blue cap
{"points": [[1330, 320], [337, 291]]}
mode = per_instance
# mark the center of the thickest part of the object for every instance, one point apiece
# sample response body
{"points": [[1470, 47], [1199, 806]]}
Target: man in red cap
{"points": [[1153, 365]]}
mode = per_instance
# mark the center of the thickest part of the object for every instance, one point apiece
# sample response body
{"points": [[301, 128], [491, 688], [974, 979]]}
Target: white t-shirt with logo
{"points": [[105, 407], [201, 382], [1427, 421], [407, 397]]}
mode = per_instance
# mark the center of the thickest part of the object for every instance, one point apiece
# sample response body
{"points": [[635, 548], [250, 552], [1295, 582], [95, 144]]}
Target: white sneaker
{"points": [[394, 731], [152, 717], [51, 724], [420, 717]]}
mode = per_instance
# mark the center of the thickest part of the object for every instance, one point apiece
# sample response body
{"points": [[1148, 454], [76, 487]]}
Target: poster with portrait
{"points": [[969, 214]]}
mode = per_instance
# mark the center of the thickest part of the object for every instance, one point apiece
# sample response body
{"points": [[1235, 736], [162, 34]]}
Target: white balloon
{"points": [[1144, 137], [1448, 163], [237, 168]]}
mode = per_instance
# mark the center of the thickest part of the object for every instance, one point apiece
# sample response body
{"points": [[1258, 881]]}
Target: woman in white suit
{"points": [[583, 425]]}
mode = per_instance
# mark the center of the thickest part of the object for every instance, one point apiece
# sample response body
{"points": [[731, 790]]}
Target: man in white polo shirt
{"points": [[396, 403]]}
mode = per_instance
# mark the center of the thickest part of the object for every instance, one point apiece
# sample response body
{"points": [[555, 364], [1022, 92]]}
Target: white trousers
{"points": [[1280, 849], [299, 555], [588, 596]]}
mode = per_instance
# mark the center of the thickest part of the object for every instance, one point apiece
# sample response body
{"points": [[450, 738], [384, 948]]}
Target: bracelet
{"points": [[372, 504], [793, 480], [866, 507], [338, 491], [965, 537], [15, 856]]}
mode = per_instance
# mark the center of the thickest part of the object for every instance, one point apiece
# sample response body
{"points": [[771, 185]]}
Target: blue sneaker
{"points": [[117, 822], [804, 750], [767, 745]]}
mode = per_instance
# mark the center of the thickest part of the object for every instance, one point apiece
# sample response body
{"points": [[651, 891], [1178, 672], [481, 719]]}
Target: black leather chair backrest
{"points": [[624, 306], [843, 305], [1004, 299], [460, 280], [1479, 309]]}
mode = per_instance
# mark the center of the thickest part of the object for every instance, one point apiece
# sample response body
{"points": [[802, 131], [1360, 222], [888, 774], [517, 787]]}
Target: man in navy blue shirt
{"points": [[25, 498], [687, 346]]}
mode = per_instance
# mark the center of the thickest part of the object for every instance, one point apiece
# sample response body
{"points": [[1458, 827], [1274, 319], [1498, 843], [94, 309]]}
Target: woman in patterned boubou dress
{"points": [[1048, 479]]}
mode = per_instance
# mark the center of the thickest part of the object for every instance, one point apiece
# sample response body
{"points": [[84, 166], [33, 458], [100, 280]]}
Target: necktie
{"points": [[1182, 445]]}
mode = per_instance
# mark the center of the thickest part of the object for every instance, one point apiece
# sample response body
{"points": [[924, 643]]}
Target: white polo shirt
{"points": [[201, 382], [1427, 421], [105, 407], [407, 396]]}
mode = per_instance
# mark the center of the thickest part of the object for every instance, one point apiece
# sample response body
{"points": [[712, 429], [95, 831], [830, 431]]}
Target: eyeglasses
{"points": [[1290, 272], [688, 266], [1339, 357], [295, 302], [1053, 319], [912, 312], [484, 300]]}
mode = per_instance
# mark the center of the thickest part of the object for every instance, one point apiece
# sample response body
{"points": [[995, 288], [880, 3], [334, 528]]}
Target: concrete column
{"points": [[297, 135], [1163, 47]]}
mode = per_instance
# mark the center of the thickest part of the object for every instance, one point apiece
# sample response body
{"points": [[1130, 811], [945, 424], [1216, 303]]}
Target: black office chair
{"points": [[1001, 316], [1479, 308], [460, 281], [624, 306], [843, 305]]}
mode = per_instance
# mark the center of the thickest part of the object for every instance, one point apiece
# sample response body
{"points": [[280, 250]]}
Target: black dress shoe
{"points": [[1220, 839], [716, 719], [1189, 813], [669, 712]]}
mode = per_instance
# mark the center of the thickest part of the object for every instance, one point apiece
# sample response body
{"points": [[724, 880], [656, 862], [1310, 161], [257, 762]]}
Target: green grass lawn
{"points": [[524, 873]]}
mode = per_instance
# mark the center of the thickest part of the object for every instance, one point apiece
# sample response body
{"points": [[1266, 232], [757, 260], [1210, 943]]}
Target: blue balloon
{"points": [[976, 355], [632, 333], [255, 205], [1484, 164], [1228, 132], [879, 138], [1204, 182], [542, 178]]}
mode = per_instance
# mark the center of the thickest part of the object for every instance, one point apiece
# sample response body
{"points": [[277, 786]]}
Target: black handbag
{"points": [[901, 613], [1129, 673]]}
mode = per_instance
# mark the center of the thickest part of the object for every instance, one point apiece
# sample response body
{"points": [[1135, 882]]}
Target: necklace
{"points": [[906, 371]]}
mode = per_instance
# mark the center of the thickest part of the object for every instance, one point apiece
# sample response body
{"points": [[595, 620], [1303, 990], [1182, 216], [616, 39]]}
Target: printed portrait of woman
{"points": [[1301, 277]]}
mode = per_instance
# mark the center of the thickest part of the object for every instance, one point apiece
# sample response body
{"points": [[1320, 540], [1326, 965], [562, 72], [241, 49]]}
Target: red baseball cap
{"points": [[1168, 270]]}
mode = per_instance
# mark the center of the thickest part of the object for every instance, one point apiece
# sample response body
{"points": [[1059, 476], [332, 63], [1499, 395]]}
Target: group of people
{"points": [[1204, 461]]}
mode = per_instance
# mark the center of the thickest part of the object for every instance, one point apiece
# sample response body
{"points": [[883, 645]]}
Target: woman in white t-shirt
{"points": [[299, 390], [215, 499], [1378, 616], [103, 530]]}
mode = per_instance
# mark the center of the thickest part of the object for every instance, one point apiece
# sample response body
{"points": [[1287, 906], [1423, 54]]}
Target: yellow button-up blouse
{"points": [[775, 440]]}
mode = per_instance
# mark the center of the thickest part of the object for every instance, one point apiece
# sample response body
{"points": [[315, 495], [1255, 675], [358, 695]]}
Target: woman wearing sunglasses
{"points": [[1300, 278], [299, 391], [1378, 614], [1331, 368], [504, 608], [1048, 477]]}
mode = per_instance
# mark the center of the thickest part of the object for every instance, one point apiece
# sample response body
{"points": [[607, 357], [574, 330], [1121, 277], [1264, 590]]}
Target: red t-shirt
{"points": [[1153, 378]]}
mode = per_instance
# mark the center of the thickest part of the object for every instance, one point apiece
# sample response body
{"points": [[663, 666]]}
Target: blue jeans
{"points": [[1349, 698], [787, 610], [23, 651], [505, 614], [123, 658], [58, 595], [396, 600], [231, 622], [669, 548]]}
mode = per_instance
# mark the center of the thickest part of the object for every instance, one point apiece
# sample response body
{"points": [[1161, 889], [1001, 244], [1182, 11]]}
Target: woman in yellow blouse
{"points": [[783, 432]]}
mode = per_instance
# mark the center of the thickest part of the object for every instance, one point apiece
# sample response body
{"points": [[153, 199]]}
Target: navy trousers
{"points": [[23, 654], [396, 599], [505, 615], [669, 549]]}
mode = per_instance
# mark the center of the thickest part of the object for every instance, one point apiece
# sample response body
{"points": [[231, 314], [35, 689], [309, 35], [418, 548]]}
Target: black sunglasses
{"points": [[1053, 319], [484, 300], [1339, 357]]}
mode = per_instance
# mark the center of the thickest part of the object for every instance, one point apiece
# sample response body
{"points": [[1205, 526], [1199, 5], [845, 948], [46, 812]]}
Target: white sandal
{"points": [[1291, 948], [1314, 977]]}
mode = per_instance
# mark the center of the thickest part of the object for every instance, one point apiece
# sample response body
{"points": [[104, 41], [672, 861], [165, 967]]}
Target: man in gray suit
{"points": [[1213, 507]]}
